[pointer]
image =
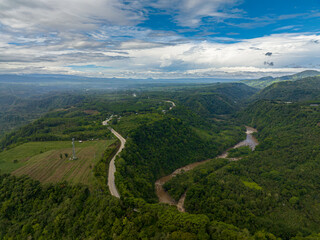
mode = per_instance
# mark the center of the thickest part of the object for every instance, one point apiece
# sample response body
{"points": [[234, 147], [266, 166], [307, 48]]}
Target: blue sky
{"points": [[251, 19], [160, 39]]}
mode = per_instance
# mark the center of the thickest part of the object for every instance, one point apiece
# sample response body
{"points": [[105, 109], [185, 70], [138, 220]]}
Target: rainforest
{"points": [[231, 191]]}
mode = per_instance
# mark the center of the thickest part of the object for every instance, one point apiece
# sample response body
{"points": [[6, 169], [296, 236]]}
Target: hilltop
{"points": [[266, 81], [268, 193], [306, 89]]}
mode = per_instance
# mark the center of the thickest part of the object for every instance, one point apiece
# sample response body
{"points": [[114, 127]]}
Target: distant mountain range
{"points": [[58, 78], [79, 82], [266, 81], [305, 89]]}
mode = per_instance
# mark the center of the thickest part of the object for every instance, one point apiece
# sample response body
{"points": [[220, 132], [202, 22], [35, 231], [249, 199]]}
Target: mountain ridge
{"points": [[268, 80]]}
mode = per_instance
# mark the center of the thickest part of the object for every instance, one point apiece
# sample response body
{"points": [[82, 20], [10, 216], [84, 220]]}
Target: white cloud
{"points": [[66, 15], [186, 59], [72, 15], [47, 36], [190, 12], [286, 48]]}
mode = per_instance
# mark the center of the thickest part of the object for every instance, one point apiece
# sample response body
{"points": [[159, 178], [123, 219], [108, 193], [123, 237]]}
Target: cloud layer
{"points": [[191, 12], [106, 38], [56, 15]]}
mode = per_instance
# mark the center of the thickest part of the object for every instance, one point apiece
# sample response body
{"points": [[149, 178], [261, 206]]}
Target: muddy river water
{"points": [[164, 197]]}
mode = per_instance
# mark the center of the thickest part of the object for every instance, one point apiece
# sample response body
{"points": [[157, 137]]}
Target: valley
{"points": [[159, 120], [164, 197], [153, 168]]}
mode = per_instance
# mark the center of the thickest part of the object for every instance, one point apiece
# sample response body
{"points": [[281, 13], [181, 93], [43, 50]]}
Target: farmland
{"points": [[49, 161]]}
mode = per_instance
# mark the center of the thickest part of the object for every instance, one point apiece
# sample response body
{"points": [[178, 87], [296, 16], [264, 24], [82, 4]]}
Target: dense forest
{"points": [[157, 149], [270, 193], [302, 90], [267, 81], [61, 211], [273, 188], [218, 99], [16, 111]]}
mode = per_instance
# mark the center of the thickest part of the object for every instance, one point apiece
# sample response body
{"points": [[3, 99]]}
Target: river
{"points": [[164, 196]]}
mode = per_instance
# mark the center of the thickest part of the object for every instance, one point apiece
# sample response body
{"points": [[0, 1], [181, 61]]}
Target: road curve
{"points": [[173, 104], [112, 167]]}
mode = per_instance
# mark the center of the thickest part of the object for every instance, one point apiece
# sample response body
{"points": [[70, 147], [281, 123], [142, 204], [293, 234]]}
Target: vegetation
{"points": [[274, 188], [16, 111], [303, 90], [219, 99], [15, 158], [267, 81], [101, 168], [130, 122], [50, 162], [239, 152], [59, 126], [61, 211], [270, 193], [157, 149]]}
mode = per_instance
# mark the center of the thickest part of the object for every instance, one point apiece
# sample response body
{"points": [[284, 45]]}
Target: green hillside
{"points": [[50, 161], [219, 99], [157, 149], [266, 81], [16, 111], [302, 90], [275, 188], [270, 193]]}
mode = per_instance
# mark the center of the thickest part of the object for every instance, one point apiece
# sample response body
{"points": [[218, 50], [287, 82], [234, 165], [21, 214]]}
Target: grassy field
{"points": [[49, 161]]}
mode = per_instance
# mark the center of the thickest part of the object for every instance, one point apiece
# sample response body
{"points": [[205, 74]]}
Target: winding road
{"points": [[173, 104], [112, 168], [164, 196]]}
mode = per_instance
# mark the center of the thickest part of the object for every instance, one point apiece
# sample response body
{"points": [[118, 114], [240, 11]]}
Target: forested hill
{"points": [[158, 141], [218, 99], [266, 81], [276, 187], [157, 149], [209, 100], [292, 91], [270, 193], [17, 111]]}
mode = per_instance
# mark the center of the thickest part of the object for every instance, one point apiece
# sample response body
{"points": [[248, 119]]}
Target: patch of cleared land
{"points": [[47, 161]]}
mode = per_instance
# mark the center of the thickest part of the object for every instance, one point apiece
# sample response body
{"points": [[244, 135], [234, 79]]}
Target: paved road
{"points": [[112, 168], [105, 123]]}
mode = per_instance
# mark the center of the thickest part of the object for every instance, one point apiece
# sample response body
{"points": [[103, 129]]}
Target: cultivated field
{"points": [[49, 161]]}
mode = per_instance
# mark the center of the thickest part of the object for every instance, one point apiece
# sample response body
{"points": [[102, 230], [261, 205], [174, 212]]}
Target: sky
{"points": [[232, 39]]}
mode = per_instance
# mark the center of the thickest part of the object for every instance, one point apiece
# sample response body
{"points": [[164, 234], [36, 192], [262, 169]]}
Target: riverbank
{"points": [[164, 196]]}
